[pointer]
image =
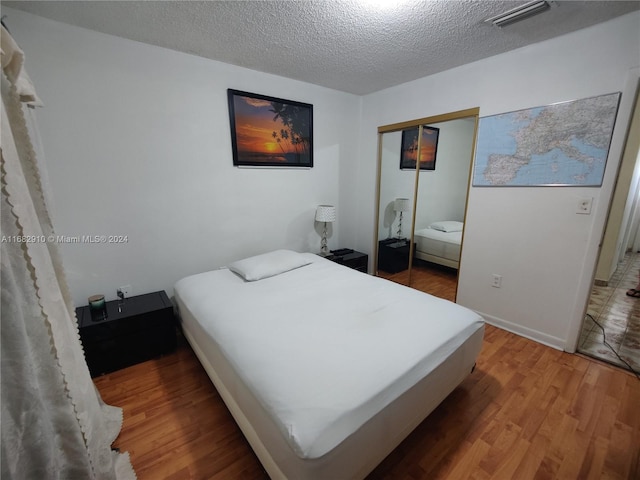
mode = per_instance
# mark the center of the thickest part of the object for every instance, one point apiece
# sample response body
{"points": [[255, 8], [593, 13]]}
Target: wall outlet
{"points": [[126, 290], [496, 280], [584, 205]]}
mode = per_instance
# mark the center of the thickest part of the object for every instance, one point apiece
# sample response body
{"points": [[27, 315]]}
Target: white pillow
{"points": [[268, 264], [447, 226]]}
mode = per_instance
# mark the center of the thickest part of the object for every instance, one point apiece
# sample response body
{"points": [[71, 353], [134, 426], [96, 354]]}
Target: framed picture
{"points": [[428, 147], [270, 132], [514, 149]]}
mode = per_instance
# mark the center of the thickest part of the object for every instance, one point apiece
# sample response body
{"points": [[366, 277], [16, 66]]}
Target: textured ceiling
{"points": [[357, 46]]}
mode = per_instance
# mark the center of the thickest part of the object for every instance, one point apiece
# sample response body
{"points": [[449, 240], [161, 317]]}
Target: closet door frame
{"points": [[398, 127]]}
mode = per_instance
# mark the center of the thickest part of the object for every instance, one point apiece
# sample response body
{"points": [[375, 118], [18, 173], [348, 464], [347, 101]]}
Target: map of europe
{"points": [[561, 144]]}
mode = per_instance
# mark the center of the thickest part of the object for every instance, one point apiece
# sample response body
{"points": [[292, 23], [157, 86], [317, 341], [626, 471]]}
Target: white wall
{"points": [[394, 183], [545, 252], [631, 167], [442, 193], [137, 143], [615, 240]]}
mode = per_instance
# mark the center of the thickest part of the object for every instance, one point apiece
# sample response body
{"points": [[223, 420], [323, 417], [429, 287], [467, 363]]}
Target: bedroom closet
{"points": [[424, 170]]}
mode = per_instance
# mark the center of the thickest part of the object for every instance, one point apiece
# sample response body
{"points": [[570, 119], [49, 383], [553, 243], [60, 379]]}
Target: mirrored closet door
{"points": [[424, 169], [396, 189]]}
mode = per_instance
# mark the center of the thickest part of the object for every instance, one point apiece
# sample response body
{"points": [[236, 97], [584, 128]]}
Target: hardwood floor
{"points": [[175, 423], [526, 412], [428, 277]]}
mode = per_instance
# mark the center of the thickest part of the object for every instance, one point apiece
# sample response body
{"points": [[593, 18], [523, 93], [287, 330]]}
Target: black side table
{"points": [[393, 255], [356, 260], [133, 331]]}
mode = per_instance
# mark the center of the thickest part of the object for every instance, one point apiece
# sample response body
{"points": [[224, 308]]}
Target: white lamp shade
{"points": [[401, 205], [325, 213]]}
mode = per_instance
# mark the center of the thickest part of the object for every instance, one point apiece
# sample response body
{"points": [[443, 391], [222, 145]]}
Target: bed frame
{"points": [[359, 453], [427, 257], [435, 246]]}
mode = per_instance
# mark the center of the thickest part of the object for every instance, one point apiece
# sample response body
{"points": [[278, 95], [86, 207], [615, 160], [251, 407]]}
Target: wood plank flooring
{"points": [[526, 412], [428, 277]]}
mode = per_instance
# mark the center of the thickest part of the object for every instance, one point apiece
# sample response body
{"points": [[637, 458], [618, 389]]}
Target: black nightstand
{"points": [[144, 328], [356, 260], [393, 255]]}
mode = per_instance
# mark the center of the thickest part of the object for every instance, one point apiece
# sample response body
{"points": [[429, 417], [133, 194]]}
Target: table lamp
{"points": [[401, 205], [325, 213]]}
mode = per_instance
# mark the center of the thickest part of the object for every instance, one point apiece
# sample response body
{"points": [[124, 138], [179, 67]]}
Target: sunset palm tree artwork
{"points": [[428, 148], [269, 131]]}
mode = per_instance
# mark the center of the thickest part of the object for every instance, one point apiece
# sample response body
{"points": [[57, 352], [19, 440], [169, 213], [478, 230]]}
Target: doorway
{"points": [[611, 331], [611, 328]]}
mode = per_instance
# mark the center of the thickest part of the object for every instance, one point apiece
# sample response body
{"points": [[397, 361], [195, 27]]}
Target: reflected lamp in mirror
{"points": [[400, 205], [325, 213]]}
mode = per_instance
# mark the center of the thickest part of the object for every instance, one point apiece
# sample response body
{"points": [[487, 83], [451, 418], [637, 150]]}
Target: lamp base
{"points": [[324, 249]]}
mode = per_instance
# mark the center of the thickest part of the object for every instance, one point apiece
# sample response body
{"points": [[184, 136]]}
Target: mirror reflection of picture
{"points": [[428, 148]]}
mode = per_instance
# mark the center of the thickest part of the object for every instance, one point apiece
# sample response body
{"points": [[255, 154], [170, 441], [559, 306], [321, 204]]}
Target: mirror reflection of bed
{"points": [[432, 237], [436, 260]]}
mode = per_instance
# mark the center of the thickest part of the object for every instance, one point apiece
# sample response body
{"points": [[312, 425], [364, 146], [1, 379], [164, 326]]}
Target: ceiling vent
{"points": [[520, 13]]}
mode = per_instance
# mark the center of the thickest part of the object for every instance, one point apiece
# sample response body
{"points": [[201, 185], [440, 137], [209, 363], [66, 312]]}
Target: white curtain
{"points": [[54, 424]]}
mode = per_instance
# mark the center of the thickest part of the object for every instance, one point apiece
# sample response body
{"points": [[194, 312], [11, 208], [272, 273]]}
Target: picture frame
{"points": [[409, 148], [270, 132], [513, 148]]}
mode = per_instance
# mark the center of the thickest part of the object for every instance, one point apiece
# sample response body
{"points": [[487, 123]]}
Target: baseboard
{"points": [[525, 332]]}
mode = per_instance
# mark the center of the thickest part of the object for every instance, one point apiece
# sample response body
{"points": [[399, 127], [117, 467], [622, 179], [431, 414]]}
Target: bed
{"points": [[325, 369], [440, 243]]}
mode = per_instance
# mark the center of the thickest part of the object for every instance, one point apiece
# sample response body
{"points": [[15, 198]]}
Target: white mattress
{"points": [[439, 244], [323, 349]]}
